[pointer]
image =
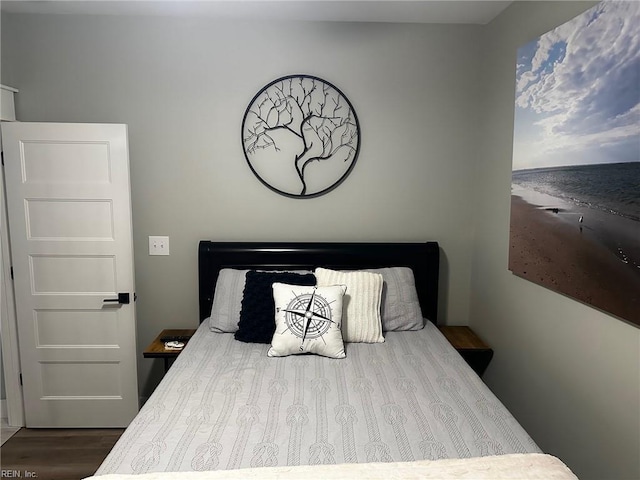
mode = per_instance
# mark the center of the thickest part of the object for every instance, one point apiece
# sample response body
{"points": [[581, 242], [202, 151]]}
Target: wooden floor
{"points": [[56, 454]]}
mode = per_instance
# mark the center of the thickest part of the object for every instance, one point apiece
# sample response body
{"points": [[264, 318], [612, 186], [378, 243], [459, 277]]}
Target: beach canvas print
{"points": [[575, 203]]}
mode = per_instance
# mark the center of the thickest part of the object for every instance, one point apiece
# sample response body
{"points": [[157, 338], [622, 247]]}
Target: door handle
{"points": [[123, 298]]}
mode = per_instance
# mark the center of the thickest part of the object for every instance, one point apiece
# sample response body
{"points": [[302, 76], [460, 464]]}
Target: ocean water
{"points": [[603, 201], [613, 188]]}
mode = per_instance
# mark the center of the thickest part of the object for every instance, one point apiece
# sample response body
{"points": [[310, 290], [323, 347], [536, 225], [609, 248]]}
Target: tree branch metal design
{"points": [[305, 110]]}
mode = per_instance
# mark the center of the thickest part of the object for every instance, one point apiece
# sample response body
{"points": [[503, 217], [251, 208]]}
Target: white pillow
{"points": [[361, 320], [308, 320]]}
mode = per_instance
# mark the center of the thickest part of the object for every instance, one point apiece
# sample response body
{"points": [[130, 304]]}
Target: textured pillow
{"points": [[227, 300], [257, 324], [361, 306], [400, 308], [307, 321]]}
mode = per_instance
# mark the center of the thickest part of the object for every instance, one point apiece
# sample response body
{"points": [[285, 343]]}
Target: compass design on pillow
{"points": [[308, 316]]}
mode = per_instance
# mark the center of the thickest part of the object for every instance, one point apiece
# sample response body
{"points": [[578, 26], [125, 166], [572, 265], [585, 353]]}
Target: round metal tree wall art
{"points": [[300, 136]]}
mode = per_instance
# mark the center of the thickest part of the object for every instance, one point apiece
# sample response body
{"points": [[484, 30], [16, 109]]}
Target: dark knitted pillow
{"points": [[257, 314]]}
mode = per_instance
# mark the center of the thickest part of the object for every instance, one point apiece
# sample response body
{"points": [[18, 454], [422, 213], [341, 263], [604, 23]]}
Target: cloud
{"points": [[582, 79]]}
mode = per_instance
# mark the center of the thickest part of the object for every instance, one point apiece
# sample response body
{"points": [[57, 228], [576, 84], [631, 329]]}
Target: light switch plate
{"points": [[158, 245]]}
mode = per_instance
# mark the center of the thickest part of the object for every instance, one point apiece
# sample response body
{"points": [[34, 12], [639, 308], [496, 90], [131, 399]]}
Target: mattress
{"points": [[225, 405]]}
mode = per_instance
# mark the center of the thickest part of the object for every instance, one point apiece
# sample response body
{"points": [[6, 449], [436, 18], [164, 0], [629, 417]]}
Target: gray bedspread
{"points": [[226, 405]]}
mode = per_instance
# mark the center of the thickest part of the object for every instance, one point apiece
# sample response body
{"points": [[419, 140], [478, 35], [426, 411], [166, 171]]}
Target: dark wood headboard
{"points": [[422, 258]]}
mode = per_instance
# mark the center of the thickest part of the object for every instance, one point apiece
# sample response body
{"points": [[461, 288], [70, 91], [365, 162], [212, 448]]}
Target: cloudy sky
{"points": [[578, 91]]}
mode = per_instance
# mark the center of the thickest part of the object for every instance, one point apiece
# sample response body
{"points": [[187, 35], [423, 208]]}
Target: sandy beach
{"points": [[558, 255]]}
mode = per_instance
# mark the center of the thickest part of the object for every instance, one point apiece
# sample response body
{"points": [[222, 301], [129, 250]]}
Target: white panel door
{"points": [[71, 243]]}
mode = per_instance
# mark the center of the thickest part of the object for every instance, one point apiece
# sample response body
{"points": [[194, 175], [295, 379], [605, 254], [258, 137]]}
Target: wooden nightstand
{"points": [[156, 348], [475, 352]]}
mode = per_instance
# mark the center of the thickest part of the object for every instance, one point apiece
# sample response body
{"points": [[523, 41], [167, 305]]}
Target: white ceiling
{"points": [[399, 11]]}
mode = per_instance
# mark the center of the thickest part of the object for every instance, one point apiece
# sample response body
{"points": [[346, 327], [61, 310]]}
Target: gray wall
{"points": [[435, 104], [569, 373], [182, 86], [3, 392]]}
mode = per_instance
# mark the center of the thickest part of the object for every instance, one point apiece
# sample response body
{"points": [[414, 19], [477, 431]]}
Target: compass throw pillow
{"points": [[256, 323], [308, 320], [361, 320]]}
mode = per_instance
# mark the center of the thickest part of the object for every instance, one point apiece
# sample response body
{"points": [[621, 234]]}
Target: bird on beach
{"points": [[580, 220]]}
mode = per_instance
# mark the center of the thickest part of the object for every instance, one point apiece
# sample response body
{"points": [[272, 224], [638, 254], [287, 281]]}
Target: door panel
{"points": [[70, 228], [72, 274], [91, 327], [58, 219], [68, 162]]}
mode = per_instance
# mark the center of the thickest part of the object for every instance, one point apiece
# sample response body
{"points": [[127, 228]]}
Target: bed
{"points": [[404, 404]]}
